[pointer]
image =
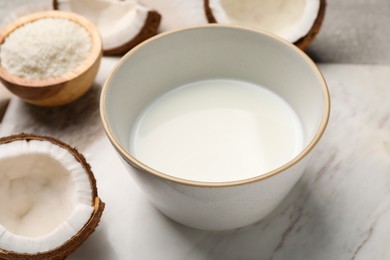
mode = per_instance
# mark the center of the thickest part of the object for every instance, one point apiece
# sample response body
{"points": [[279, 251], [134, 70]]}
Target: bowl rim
{"points": [[93, 55], [139, 165]]}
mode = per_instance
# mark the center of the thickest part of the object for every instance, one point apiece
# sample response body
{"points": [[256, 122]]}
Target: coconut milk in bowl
{"points": [[217, 130], [215, 123]]}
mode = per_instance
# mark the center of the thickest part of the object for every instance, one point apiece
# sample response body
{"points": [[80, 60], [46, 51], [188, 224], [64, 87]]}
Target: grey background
{"points": [[353, 31]]}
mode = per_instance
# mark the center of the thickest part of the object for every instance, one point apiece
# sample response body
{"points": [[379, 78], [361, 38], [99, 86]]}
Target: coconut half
{"points": [[297, 21], [48, 198], [122, 24]]}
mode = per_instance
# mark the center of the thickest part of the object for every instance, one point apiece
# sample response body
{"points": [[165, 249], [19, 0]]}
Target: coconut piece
{"points": [[178, 13], [296, 21], [122, 24], [24, 10], [306, 40], [48, 198]]}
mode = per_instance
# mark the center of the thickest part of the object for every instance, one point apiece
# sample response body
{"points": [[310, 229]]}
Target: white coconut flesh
{"points": [[289, 19], [45, 196], [118, 21]]}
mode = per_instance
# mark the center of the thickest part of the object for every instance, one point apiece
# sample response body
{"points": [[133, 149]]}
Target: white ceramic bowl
{"points": [[214, 51]]}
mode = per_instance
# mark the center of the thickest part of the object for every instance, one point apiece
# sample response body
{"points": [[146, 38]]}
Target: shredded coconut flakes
{"points": [[46, 48]]}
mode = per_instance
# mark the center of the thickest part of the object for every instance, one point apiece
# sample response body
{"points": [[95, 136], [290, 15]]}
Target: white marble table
{"points": [[340, 209], [5, 97]]}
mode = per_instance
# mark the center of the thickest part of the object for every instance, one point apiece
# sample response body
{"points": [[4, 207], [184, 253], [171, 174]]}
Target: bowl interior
{"points": [[173, 59]]}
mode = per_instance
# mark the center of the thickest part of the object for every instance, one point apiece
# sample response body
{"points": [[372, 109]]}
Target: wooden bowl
{"points": [[55, 91]]}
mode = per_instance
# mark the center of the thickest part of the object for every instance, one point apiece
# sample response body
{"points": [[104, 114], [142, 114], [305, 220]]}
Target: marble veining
{"points": [[340, 208]]}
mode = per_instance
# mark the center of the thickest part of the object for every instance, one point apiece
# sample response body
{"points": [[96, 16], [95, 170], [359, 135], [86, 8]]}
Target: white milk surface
{"points": [[217, 130]]}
